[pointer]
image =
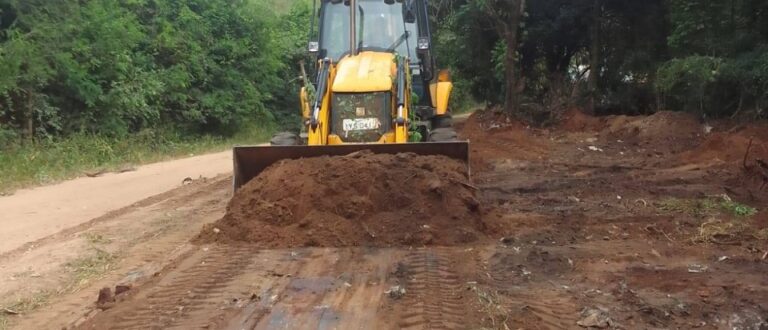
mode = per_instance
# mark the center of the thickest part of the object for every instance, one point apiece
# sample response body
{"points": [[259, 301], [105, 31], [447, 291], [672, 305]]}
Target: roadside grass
{"points": [[80, 271], [24, 305], [88, 267], [52, 161], [95, 238]]}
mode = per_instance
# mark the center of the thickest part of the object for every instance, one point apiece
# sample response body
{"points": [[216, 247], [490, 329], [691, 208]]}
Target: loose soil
{"points": [[355, 200], [614, 222]]}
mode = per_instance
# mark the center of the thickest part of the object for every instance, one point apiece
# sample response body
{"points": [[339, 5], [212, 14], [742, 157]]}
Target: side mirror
{"points": [[313, 47], [409, 12]]}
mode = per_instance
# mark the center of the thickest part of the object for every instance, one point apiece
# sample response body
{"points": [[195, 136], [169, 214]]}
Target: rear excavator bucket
{"points": [[250, 161]]}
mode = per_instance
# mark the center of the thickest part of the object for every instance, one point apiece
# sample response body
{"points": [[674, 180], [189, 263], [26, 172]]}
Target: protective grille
{"points": [[361, 117]]}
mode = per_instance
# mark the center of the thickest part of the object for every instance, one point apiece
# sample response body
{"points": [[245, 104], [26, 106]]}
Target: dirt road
{"points": [[602, 223], [32, 214]]}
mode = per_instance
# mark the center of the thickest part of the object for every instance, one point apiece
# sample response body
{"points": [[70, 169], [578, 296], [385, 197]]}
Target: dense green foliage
{"points": [[117, 67], [90, 85], [708, 57]]}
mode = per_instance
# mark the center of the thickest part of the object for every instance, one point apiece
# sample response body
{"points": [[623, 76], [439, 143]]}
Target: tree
{"points": [[507, 16]]}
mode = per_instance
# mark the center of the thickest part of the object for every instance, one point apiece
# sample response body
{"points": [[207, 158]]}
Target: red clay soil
{"points": [[574, 120], [731, 145], [664, 126], [659, 128], [494, 135], [362, 199]]}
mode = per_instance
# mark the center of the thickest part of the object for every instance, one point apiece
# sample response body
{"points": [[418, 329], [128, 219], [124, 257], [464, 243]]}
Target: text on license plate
{"points": [[361, 124]]}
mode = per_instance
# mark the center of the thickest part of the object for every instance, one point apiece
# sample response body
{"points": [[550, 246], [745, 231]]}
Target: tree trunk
{"points": [[30, 118], [514, 81], [594, 55]]}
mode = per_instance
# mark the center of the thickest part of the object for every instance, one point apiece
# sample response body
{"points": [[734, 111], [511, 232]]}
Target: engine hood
{"points": [[365, 72]]}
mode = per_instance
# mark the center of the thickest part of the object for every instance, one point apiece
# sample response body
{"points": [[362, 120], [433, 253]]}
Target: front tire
{"points": [[285, 139], [443, 135]]}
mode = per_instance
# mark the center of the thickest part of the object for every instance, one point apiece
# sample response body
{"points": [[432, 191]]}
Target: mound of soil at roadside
{"points": [[660, 126], [362, 199], [664, 126], [731, 145], [574, 120], [495, 135], [662, 131]]}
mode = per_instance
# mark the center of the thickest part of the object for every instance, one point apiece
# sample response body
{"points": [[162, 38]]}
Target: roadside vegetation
{"points": [[109, 84], [538, 58]]}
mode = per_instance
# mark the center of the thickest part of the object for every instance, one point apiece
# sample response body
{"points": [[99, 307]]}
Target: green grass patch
{"points": [[707, 207], [52, 161]]}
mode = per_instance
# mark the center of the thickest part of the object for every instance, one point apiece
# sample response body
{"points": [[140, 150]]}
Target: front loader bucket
{"points": [[250, 161]]}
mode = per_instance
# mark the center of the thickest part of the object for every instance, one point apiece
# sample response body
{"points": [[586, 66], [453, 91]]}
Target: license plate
{"points": [[361, 124]]}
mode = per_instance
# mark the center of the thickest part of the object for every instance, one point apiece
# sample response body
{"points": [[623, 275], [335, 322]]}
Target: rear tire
{"points": [[443, 135], [285, 139]]}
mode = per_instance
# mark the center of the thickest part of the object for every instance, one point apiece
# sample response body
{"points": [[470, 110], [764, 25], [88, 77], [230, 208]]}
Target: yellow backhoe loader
{"points": [[376, 89]]}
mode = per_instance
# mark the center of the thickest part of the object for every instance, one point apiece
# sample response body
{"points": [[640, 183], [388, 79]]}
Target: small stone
{"points": [[396, 292], [594, 318], [120, 289], [507, 240], [106, 299]]}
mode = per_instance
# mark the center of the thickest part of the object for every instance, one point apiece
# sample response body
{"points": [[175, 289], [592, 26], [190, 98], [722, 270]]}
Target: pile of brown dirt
{"points": [[731, 145], [664, 126], [664, 131], [574, 120], [495, 135], [362, 199]]}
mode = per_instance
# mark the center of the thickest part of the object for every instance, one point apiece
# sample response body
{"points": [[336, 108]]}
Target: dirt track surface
{"points": [[602, 222], [32, 214]]}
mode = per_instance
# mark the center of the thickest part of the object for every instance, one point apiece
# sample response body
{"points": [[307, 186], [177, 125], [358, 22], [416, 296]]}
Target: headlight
{"points": [[313, 47], [423, 43]]}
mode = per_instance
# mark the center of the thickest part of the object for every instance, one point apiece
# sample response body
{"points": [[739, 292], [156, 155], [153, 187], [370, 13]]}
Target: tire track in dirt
{"points": [[250, 296], [193, 288], [143, 239], [529, 291], [306, 299], [433, 292]]}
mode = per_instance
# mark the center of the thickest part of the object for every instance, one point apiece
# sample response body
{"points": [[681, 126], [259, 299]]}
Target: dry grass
{"points": [[693, 207], [86, 268], [80, 272], [728, 232], [762, 235], [95, 238], [495, 313], [23, 305], [720, 232]]}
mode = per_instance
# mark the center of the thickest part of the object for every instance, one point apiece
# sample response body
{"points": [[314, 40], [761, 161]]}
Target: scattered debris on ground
{"points": [[396, 292]]}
